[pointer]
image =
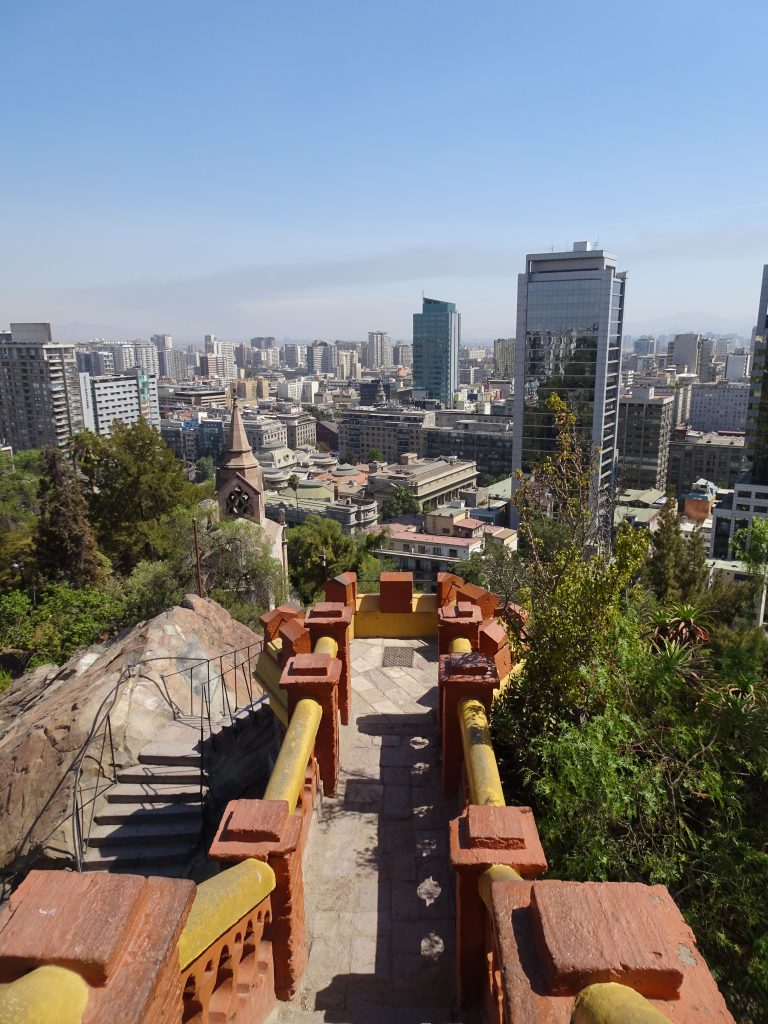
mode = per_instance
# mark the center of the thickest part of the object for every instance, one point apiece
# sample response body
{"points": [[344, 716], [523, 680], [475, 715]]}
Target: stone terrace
{"points": [[380, 912]]}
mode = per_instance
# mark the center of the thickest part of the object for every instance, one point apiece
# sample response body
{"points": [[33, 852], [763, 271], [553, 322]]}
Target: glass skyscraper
{"points": [[570, 312], [436, 339]]}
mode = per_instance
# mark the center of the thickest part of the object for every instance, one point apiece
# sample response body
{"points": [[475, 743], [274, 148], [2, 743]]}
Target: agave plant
{"points": [[683, 624]]}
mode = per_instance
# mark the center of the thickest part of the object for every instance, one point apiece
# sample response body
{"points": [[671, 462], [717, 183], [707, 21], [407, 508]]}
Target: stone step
{"points": [[163, 774], [153, 793], [144, 855], [159, 812], [161, 753], [155, 832]]}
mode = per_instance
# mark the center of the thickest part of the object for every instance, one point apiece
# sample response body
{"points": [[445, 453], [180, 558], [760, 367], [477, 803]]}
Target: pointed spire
{"points": [[239, 454]]}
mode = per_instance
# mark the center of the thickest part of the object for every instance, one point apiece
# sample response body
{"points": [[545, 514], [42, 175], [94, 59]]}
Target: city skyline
{"points": [[293, 193]]}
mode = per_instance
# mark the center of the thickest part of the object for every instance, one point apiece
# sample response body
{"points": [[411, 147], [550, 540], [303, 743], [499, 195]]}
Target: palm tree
{"points": [[293, 483]]}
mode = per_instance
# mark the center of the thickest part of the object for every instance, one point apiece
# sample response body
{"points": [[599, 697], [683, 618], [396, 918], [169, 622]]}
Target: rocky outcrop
{"points": [[141, 677]]}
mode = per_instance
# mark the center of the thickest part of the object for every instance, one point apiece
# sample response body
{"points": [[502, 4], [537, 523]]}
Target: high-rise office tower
{"points": [[379, 349], [570, 312], [39, 388], [162, 342], [750, 497], [504, 358], [685, 353], [436, 340]]}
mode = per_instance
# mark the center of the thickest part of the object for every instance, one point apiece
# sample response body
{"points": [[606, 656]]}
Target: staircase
{"points": [[152, 818]]}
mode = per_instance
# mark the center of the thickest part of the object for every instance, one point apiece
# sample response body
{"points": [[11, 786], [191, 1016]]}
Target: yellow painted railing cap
{"points": [[220, 902], [611, 1003], [47, 995]]}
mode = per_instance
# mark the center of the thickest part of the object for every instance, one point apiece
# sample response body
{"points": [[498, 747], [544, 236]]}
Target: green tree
{"points": [[374, 455], [19, 505], [752, 547], [65, 548], [205, 469], [132, 479], [318, 550], [293, 484], [677, 569], [64, 620], [402, 502]]}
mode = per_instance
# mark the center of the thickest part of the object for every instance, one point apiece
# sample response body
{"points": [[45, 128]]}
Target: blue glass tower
{"points": [[436, 338]]}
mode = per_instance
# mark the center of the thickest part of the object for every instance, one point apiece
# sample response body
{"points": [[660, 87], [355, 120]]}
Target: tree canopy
{"points": [[402, 502], [318, 550]]}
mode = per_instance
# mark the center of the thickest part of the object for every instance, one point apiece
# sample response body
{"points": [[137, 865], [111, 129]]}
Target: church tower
{"points": [[239, 483]]}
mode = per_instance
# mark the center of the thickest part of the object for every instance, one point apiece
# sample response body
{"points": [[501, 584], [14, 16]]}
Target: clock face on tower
{"points": [[238, 502]]}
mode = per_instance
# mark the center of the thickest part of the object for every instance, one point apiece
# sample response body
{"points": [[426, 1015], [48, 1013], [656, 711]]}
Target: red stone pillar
{"points": [[488, 603], [494, 643], [330, 618], [556, 939], [457, 620], [272, 621], [396, 592], [317, 676], [342, 589], [120, 933], [447, 585], [460, 676], [479, 838], [295, 637], [264, 830]]}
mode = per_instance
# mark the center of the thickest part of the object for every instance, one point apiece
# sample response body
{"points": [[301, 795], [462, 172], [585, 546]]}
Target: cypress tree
{"points": [[65, 548], [662, 570]]}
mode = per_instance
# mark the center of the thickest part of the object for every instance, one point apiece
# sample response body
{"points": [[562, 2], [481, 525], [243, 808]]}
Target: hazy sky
{"points": [[306, 169]]}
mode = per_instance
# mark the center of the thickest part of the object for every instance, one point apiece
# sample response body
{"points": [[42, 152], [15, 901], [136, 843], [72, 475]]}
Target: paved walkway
{"points": [[380, 911]]}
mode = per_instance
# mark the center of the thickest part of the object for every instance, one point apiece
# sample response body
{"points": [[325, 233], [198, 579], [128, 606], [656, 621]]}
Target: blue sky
{"points": [[306, 170]]}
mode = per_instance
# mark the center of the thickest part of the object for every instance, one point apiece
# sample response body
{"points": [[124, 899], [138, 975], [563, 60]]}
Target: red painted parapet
{"points": [[552, 940], [120, 933], [265, 830], [480, 838], [447, 585], [333, 619], [493, 642], [458, 620], [396, 592], [342, 589], [489, 604], [460, 676], [318, 676], [272, 621], [295, 639]]}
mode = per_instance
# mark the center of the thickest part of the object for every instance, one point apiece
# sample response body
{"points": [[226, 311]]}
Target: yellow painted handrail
{"points": [[220, 902], [610, 1003], [495, 873], [482, 771], [287, 778], [47, 995], [460, 645]]}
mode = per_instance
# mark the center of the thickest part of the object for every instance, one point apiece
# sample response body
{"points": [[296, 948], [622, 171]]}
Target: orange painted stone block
{"points": [[567, 935], [120, 933], [318, 676], [272, 621], [295, 637], [342, 588], [458, 620], [287, 930], [396, 591], [447, 585], [460, 676], [333, 619], [488, 603], [480, 837]]}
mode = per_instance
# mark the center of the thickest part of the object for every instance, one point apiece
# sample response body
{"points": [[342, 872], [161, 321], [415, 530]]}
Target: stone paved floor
{"points": [[380, 910]]}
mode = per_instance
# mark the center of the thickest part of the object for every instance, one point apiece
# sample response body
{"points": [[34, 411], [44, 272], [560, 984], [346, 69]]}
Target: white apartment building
{"points": [[290, 390], [125, 397], [721, 406], [39, 388]]}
